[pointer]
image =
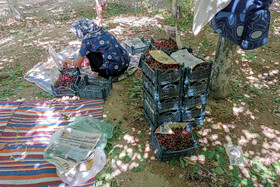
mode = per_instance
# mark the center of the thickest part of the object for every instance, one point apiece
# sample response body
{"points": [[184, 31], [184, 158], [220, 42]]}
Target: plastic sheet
{"points": [[77, 174]]}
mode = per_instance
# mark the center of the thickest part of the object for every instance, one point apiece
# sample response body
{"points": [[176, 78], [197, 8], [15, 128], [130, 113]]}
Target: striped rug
{"points": [[28, 132], [7, 110]]}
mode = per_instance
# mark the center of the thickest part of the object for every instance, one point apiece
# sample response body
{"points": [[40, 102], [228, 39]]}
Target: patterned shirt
{"points": [[115, 57]]}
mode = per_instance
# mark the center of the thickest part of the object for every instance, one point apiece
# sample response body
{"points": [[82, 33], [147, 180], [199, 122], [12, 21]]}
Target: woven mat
{"points": [[27, 128]]}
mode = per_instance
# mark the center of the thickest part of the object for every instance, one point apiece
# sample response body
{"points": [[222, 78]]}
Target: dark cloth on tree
{"points": [[245, 23]]}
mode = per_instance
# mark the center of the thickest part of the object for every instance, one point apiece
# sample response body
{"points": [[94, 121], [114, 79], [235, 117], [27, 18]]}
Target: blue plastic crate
{"points": [[164, 155], [161, 118], [189, 114], [151, 126], [190, 102], [66, 91], [196, 88], [158, 77], [194, 123], [161, 105], [93, 88], [159, 92], [199, 72], [132, 46]]}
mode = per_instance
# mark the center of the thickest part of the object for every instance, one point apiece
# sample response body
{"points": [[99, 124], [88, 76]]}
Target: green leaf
{"points": [[250, 99], [126, 101], [226, 171], [220, 158], [65, 117], [139, 113], [196, 168], [276, 165], [250, 182], [173, 162], [139, 148], [235, 171], [196, 136], [274, 178], [254, 173], [258, 136], [142, 158], [182, 163], [220, 149], [205, 153], [277, 100], [187, 163], [136, 89], [259, 166], [115, 152], [244, 181], [119, 89], [127, 82], [131, 95], [219, 171], [211, 155], [261, 107], [127, 159], [139, 168]]}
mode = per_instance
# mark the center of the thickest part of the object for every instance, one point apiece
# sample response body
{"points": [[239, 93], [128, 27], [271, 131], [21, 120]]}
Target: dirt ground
{"points": [[250, 117]]}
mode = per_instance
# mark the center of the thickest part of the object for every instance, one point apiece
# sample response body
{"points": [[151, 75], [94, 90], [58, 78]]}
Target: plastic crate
{"points": [[199, 72], [151, 126], [149, 47], [161, 118], [66, 91], [192, 113], [93, 88], [159, 92], [164, 155], [194, 123], [189, 102], [135, 45], [196, 88], [158, 77], [168, 52], [161, 105]]}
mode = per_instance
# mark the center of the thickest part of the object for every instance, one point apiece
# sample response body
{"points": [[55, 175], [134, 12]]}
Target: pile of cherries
{"points": [[67, 78], [167, 44], [178, 141], [157, 65]]}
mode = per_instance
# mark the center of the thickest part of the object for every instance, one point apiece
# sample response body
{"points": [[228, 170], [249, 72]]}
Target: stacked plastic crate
{"points": [[174, 95], [195, 92], [161, 94], [162, 98], [196, 80]]}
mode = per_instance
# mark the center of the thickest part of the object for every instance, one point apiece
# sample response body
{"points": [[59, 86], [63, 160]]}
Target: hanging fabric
{"points": [[245, 23], [204, 11]]}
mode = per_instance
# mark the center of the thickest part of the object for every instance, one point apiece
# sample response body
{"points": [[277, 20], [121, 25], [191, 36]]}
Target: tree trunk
{"points": [[14, 8], [219, 88], [176, 9]]}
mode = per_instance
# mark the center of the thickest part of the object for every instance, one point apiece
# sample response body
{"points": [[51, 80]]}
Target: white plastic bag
{"points": [[80, 177], [56, 58], [78, 173]]}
